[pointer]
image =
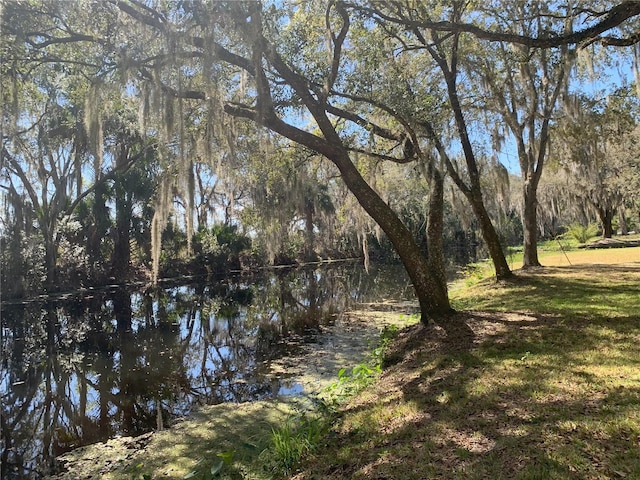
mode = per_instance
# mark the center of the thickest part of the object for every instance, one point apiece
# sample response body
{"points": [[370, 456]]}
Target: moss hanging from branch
{"points": [[144, 107], [163, 207], [93, 125]]}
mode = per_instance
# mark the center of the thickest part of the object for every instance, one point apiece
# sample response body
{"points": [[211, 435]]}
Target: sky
{"points": [[618, 74]]}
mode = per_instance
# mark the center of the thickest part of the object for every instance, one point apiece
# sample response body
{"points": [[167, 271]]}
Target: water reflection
{"points": [[81, 370]]}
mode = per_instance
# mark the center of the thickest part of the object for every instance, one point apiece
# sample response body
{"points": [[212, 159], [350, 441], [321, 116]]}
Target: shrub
{"points": [[582, 233]]}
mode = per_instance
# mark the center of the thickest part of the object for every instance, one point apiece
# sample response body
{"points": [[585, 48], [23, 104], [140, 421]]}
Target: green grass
{"points": [[538, 379], [298, 436], [581, 290], [566, 250]]}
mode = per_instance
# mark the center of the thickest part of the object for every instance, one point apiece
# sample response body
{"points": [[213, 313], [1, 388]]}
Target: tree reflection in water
{"points": [[84, 369]]}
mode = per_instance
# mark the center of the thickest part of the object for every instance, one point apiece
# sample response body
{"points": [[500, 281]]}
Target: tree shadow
{"points": [[494, 395]]}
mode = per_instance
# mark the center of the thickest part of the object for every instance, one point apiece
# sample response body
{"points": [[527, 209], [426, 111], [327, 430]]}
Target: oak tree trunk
{"points": [[491, 238], [605, 215], [435, 228], [530, 229], [429, 286]]}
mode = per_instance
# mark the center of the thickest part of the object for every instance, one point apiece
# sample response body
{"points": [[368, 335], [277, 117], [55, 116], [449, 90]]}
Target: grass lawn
{"points": [[536, 378], [581, 257], [566, 252]]}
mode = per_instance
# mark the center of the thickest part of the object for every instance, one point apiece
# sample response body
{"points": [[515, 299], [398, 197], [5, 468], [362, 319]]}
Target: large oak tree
{"points": [[262, 64]]}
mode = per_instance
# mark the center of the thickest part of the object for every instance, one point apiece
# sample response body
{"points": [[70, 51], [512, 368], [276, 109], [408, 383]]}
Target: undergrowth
{"points": [[548, 388], [304, 432]]}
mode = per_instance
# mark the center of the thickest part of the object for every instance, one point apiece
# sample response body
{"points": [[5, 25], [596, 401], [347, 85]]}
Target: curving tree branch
{"points": [[611, 19]]}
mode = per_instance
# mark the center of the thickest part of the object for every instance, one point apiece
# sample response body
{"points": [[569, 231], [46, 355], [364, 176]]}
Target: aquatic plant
{"points": [[304, 432]]}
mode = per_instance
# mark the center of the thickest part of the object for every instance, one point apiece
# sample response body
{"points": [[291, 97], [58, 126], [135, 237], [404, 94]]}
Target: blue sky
{"points": [[606, 80]]}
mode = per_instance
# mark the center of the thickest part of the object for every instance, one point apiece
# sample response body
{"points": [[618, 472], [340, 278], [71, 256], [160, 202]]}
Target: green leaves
{"points": [[227, 457], [582, 233], [215, 470]]}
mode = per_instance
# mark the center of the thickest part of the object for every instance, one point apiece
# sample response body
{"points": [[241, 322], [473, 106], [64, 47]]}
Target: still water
{"points": [[86, 368]]}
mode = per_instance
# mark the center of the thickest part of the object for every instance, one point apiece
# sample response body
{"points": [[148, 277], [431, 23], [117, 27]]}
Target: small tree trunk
{"points": [[51, 257], [492, 240], [309, 246], [606, 221], [202, 218], [98, 230], [624, 228], [530, 229], [15, 267], [122, 242]]}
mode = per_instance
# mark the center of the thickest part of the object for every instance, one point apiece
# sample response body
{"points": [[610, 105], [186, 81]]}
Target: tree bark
{"points": [[530, 227], [492, 240], [606, 220], [430, 288], [435, 228]]}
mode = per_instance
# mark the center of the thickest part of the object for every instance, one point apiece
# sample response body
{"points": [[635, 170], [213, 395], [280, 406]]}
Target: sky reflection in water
{"points": [[81, 370]]}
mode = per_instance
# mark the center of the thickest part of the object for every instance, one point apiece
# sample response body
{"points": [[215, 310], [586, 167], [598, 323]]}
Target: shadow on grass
{"points": [[524, 417], [494, 395], [583, 290]]}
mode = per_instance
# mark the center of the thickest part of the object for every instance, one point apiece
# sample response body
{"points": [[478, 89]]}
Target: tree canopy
{"points": [[365, 92]]}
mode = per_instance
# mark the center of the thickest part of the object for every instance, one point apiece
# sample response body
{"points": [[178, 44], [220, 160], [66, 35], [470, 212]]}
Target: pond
{"points": [[91, 366]]}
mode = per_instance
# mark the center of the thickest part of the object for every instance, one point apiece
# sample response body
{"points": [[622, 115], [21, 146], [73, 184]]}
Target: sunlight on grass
{"points": [[550, 387], [614, 293], [558, 253]]}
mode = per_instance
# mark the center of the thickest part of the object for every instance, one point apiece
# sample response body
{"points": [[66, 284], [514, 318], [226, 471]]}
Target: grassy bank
{"points": [[567, 252], [550, 254], [255, 440], [538, 379]]}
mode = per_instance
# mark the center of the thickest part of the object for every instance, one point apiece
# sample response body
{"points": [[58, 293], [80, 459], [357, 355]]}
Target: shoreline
{"points": [[242, 428]]}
